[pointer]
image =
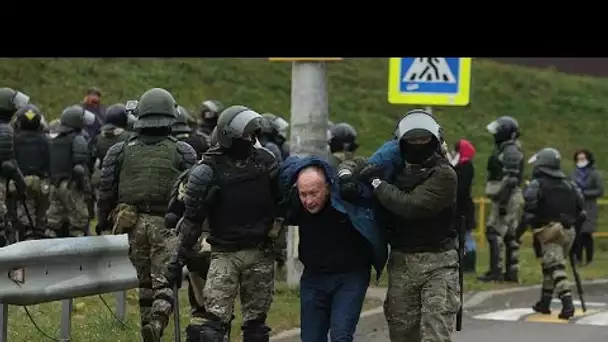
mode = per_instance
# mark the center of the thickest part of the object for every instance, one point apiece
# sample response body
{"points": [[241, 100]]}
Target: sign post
{"points": [[308, 130]]}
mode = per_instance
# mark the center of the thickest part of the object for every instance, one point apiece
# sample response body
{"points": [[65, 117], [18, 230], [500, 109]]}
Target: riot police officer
{"points": [[32, 153], [505, 172], [233, 175], [133, 195], [209, 112], [115, 129], [10, 101], [342, 143], [415, 188], [553, 207], [68, 214], [183, 132], [274, 135]]}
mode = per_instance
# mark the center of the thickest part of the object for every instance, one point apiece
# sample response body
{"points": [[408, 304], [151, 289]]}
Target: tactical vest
{"points": [[415, 235], [62, 160], [495, 166], [104, 142], [6, 142], [244, 209], [147, 174], [557, 202], [31, 152]]}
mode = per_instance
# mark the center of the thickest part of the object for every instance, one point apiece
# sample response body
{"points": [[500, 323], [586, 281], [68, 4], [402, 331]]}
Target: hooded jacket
{"points": [[361, 217]]}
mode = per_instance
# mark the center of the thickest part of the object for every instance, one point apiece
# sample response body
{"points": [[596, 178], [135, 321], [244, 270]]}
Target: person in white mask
{"points": [[589, 180]]}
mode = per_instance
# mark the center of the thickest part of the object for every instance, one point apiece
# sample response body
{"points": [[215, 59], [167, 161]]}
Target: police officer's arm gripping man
{"points": [[425, 200]]}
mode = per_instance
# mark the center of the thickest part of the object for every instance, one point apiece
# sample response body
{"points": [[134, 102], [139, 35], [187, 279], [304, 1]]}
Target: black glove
{"points": [[174, 273], [350, 189], [102, 225], [502, 210], [171, 220], [370, 172]]}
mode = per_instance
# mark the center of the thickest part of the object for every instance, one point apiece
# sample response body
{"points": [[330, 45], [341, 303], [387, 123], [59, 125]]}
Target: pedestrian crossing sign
{"points": [[431, 81]]}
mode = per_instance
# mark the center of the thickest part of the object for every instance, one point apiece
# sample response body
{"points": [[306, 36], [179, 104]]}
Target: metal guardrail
{"points": [[480, 234], [41, 271]]}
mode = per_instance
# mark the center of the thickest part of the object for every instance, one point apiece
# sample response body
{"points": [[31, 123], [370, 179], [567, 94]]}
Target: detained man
{"points": [[338, 246]]}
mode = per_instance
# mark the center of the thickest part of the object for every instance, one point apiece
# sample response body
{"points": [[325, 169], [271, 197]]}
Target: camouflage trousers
{"points": [[555, 242], [5, 223], [423, 296], [501, 230], [32, 222], [249, 272], [150, 248], [198, 268], [67, 215]]}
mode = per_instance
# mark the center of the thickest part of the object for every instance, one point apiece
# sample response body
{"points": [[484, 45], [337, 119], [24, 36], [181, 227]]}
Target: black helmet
{"points": [[10, 101], [419, 136], [503, 129], [211, 109], [235, 122], [29, 118], [181, 124], [548, 161], [342, 137], [75, 117], [278, 125], [117, 116]]}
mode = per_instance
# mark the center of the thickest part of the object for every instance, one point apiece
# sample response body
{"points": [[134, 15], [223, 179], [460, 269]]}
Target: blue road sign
{"points": [[432, 81]]}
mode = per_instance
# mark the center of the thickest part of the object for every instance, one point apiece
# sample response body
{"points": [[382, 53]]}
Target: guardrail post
{"points": [[66, 319], [3, 322], [121, 305]]}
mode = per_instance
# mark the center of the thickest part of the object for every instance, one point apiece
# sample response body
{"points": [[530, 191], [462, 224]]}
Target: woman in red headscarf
{"points": [[462, 161]]}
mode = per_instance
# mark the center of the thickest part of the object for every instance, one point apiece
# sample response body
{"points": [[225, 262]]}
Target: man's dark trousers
{"points": [[331, 302]]}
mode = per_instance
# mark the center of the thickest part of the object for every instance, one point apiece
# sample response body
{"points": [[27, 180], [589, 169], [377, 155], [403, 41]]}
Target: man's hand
{"points": [[350, 190], [174, 273], [371, 172]]}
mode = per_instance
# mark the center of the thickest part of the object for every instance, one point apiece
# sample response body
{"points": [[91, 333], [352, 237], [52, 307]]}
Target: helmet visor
{"points": [[244, 124], [418, 126], [20, 99], [492, 127], [88, 118]]}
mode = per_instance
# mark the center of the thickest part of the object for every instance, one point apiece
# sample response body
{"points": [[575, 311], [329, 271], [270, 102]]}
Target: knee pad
{"points": [[256, 330], [208, 332]]}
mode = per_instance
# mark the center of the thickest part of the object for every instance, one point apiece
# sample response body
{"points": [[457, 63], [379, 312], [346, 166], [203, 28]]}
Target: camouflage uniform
{"points": [[554, 205], [5, 222], [232, 174], [136, 181], [505, 172], [417, 199]]}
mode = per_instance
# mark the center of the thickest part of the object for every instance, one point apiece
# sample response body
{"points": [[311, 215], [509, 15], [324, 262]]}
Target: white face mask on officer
{"points": [[582, 163]]}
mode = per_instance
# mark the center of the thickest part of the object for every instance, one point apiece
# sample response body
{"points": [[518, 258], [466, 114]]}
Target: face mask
{"points": [[418, 153], [581, 164], [241, 148]]}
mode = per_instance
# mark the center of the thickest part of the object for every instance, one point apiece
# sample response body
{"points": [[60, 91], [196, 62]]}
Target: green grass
{"points": [[530, 271], [92, 321], [554, 109]]}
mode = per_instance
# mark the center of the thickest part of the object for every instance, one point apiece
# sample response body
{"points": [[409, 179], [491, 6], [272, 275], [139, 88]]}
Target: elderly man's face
{"points": [[312, 190]]}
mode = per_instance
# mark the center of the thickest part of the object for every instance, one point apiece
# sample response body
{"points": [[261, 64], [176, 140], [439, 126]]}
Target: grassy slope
{"points": [[553, 109]]}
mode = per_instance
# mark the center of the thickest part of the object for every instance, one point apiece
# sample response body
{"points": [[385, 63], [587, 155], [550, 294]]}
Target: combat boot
{"points": [[544, 304], [567, 307], [511, 276], [495, 273], [151, 332]]}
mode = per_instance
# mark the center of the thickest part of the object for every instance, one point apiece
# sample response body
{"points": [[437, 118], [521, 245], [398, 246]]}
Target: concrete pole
{"points": [[309, 107]]}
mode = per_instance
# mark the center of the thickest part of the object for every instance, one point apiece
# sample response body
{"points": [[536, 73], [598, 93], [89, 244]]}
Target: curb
{"points": [[475, 299]]}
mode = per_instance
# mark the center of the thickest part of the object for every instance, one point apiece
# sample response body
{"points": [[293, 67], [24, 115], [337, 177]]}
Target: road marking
{"points": [[506, 315], [578, 302], [597, 319], [552, 318]]}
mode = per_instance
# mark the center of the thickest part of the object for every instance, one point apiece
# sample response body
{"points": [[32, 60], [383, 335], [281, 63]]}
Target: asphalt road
{"points": [[511, 319]]}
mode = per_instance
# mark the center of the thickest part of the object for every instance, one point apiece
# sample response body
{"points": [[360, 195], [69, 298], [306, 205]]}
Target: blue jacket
{"points": [[389, 156], [361, 217]]}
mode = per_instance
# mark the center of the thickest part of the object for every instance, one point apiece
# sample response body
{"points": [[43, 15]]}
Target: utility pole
{"points": [[308, 135]]}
